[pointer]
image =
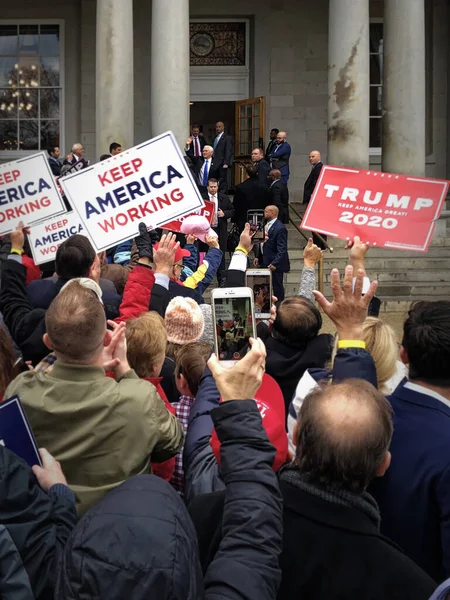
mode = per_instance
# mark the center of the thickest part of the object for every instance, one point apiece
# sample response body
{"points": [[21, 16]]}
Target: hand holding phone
{"points": [[260, 281], [245, 379]]}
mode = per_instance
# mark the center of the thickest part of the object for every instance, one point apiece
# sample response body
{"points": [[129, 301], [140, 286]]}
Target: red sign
{"points": [[206, 211], [383, 209]]}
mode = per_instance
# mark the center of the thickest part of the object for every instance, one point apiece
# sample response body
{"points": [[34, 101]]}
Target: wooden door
{"points": [[250, 132]]}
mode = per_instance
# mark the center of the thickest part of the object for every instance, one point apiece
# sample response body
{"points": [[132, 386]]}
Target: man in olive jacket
{"points": [[102, 431]]}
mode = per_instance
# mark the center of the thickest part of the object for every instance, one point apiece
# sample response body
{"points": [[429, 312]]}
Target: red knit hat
{"points": [[270, 402]]}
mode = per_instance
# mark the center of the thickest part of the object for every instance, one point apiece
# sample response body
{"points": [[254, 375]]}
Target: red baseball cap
{"points": [[179, 254], [270, 402]]}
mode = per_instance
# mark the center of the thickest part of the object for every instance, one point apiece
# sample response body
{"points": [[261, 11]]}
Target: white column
{"points": [[114, 75], [348, 83], [404, 87], [170, 68]]}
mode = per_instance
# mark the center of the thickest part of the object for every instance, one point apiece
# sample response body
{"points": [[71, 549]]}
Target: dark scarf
{"points": [[363, 502]]}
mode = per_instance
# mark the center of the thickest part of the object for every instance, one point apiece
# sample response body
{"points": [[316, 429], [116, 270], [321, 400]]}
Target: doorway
{"points": [[206, 114]]}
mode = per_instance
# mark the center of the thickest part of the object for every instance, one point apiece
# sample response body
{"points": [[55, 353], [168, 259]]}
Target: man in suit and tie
{"points": [[195, 144], [223, 211], [251, 194], [223, 154], [280, 155], [53, 160], [272, 143], [75, 155], [261, 165], [308, 190], [274, 252], [279, 195], [205, 169]]}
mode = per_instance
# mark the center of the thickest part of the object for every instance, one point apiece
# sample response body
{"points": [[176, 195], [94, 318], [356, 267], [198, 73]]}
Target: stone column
{"points": [[114, 75], [348, 83], [404, 87], [170, 68]]}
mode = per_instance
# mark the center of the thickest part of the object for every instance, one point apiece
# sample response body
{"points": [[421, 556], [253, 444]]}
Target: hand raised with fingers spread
{"points": [[164, 254], [243, 380], [311, 254], [348, 310]]}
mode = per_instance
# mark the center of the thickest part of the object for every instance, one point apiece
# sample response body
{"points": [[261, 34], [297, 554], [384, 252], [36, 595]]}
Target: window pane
{"points": [[49, 40], [8, 39], [8, 104], [28, 72], [28, 103], [8, 72], [376, 98], [49, 134], [376, 38], [375, 132], [256, 110], [8, 135], [256, 123], [49, 71], [50, 103], [28, 40], [29, 135]]}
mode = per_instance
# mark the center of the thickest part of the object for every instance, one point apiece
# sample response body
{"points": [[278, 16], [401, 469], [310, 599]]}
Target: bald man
{"points": [[342, 443], [280, 155], [316, 166], [223, 154]]}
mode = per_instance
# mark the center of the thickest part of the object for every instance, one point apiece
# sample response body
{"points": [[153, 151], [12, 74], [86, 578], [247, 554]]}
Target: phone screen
{"points": [[256, 221], [234, 327], [260, 284]]}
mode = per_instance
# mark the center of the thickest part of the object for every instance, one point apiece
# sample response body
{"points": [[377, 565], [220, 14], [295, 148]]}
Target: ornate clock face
{"points": [[202, 44]]}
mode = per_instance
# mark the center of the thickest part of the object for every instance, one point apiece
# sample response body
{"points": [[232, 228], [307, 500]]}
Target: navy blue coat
{"points": [[139, 541], [279, 159], [275, 251], [414, 494]]}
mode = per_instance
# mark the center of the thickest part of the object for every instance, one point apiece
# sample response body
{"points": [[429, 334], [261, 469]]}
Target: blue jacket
{"points": [[139, 541], [201, 471], [275, 250], [201, 277], [414, 494], [279, 159]]}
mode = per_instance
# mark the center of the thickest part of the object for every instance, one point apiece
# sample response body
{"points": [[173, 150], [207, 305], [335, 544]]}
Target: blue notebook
{"points": [[15, 431]]}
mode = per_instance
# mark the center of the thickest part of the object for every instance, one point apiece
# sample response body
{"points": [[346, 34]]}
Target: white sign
{"points": [[28, 192], [150, 183], [45, 238]]}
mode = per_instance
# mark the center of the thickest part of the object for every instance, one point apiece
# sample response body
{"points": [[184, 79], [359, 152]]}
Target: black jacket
{"points": [[263, 168], [139, 541], [251, 194], [279, 197], [286, 364], [223, 153], [224, 204], [270, 148], [275, 250], [336, 552], [213, 173], [38, 524], [310, 183], [55, 166], [191, 150]]}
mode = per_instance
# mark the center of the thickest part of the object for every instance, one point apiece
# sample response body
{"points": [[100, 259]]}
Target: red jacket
{"points": [[33, 271], [165, 469], [137, 293]]}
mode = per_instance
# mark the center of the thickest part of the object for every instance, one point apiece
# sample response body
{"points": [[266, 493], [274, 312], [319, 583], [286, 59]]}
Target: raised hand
{"points": [[312, 254]]}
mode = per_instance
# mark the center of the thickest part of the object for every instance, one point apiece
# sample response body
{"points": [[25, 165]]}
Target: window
{"points": [[376, 83], [30, 86]]}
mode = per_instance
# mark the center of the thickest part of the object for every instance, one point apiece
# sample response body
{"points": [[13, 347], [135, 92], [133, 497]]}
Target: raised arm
{"points": [[311, 256]]}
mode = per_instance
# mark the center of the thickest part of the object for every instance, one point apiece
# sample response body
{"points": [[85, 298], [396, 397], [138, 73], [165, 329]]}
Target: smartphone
{"points": [[260, 282], [234, 323], [256, 220]]}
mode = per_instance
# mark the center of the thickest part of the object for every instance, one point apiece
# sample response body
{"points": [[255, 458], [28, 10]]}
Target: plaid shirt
{"points": [[183, 410]]}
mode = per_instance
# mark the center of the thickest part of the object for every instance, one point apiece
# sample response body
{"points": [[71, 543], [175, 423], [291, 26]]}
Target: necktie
{"points": [[197, 146], [205, 173], [216, 141]]}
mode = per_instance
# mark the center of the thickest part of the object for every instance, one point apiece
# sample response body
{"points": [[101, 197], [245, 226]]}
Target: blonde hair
{"points": [[146, 343], [382, 344]]}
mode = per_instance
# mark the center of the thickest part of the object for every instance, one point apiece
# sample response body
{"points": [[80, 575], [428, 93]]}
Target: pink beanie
{"points": [[184, 321]]}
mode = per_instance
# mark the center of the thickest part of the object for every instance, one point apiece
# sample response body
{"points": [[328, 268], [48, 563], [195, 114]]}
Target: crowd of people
{"points": [[315, 467]]}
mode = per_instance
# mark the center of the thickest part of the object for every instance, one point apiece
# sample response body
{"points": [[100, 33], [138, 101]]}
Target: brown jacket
{"points": [[103, 432]]}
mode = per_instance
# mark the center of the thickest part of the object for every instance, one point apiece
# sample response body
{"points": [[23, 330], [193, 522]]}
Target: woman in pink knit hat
{"points": [[184, 323]]}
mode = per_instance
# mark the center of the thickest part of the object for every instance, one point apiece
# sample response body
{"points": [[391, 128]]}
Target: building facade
{"points": [[364, 82]]}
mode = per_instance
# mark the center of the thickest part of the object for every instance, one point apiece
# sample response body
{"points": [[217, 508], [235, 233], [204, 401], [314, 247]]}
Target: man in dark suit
{"points": [[272, 143], [274, 252], [279, 195], [75, 155], [280, 155], [342, 439], [223, 212], [223, 154], [205, 169], [195, 144], [414, 496], [261, 165], [310, 184], [53, 160], [251, 194]]}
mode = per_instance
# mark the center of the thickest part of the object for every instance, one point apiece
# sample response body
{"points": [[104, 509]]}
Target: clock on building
{"points": [[202, 44]]}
